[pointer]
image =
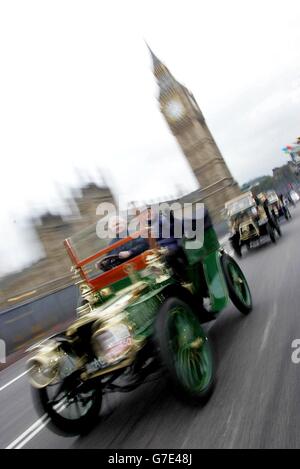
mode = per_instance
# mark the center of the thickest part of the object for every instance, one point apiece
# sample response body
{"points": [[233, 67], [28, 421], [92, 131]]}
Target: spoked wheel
{"points": [[185, 351], [69, 410], [238, 288]]}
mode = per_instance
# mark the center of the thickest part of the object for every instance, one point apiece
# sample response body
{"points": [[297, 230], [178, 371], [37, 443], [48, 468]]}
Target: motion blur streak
{"points": [[249, 378], [13, 381]]}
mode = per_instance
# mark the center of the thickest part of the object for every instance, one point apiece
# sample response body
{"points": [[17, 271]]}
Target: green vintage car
{"points": [[136, 321]]}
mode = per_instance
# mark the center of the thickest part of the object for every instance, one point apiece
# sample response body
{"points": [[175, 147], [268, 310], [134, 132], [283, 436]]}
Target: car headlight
{"points": [[112, 344]]}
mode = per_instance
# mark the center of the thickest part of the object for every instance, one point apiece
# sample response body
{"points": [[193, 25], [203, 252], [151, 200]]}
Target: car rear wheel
{"points": [[236, 248], [271, 233], [238, 252], [277, 228]]}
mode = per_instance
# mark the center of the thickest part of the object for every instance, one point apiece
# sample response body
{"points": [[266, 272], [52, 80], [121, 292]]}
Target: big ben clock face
{"points": [[174, 109]]}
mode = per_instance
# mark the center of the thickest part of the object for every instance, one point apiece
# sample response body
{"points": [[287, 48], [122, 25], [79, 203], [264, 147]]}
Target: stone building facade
{"points": [[52, 271], [53, 229]]}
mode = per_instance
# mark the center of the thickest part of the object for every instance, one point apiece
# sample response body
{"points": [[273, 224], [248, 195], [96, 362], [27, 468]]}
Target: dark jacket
{"points": [[135, 246], [163, 230]]}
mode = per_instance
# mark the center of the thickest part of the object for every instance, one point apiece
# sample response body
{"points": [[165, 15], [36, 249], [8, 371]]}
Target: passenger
{"points": [[162, 229]]}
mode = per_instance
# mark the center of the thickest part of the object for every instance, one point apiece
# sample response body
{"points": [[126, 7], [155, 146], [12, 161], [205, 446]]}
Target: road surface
{"points": [[256, 403]]}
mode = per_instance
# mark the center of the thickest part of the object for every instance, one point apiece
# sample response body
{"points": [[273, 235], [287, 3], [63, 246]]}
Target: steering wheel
{"points": [[108, 262]]}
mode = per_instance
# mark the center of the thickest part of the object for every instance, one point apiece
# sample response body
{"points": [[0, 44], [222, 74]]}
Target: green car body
{"points": [[137, 325]]}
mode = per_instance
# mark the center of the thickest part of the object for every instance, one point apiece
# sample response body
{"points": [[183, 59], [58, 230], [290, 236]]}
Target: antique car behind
{"points": [[277, 207], [294, 196], [248, 222], [136, 320]]}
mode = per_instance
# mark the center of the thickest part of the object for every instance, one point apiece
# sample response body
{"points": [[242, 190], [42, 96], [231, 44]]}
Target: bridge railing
{"points": [[34, 318]]}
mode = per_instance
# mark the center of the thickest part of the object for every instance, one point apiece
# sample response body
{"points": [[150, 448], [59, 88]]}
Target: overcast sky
{"points": [[77, 95]]}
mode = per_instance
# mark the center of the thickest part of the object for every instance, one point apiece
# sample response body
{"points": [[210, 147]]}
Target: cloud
{"points": [[77, 91]]}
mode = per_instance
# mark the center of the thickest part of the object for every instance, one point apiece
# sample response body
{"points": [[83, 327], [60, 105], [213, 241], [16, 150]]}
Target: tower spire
{"points": [[158, 67], [155, 60]]}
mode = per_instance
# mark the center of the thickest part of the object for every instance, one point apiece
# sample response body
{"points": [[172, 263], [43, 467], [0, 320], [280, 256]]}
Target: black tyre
{"points": [[238, 288], [271, 233], [237, 249], [238, 252], [71, 413], [185, 351]]}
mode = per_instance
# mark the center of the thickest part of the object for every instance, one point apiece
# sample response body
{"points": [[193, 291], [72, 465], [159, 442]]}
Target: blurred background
{"points": [[134, 101], [80, 122]]}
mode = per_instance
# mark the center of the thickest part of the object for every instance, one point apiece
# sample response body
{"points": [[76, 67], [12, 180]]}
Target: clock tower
{"points": [[188, 126]]}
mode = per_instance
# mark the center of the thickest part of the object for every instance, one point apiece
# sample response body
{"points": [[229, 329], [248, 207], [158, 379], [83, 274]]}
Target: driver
{"points": [[132, 248]]}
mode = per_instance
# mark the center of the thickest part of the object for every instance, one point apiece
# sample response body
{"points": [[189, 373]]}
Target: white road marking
{"points": [[266, 334], [14, 380], [33, 434], [27, 432], [32, 431], [268, 328]]}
